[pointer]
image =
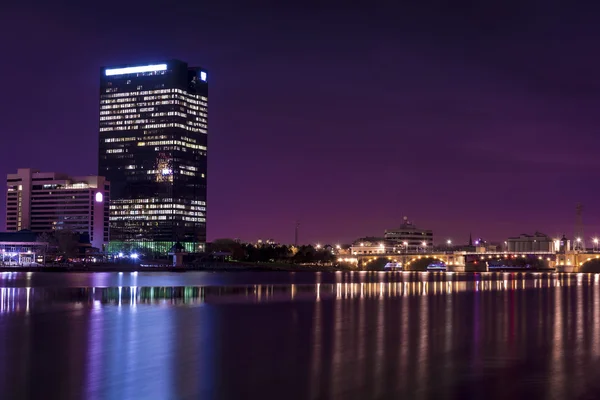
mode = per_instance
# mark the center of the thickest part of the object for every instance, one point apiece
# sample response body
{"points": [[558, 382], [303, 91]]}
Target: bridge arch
{"points": [[589, 263], [511, 260], [377, 262], [420, 263]]}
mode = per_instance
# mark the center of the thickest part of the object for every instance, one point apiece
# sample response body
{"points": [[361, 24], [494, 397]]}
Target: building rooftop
{"points": [[408, 226], [526, 235], [20, 236]]}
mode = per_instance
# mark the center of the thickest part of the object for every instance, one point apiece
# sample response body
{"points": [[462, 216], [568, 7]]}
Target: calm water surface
{"points": [[299, 336]]}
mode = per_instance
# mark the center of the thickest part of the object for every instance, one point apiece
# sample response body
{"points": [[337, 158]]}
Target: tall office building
{"points": [[48, 201], [153, 138]]}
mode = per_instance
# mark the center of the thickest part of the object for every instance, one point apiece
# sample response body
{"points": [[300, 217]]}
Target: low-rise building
{"points": [[21, 248], [370, 245]]}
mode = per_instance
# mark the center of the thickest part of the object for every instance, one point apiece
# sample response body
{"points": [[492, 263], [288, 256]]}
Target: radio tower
{"points": [[579, 238]]}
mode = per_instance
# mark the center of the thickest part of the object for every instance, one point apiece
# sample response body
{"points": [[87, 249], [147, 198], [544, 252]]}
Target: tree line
{"points": [[60, 243], [267, 253]]}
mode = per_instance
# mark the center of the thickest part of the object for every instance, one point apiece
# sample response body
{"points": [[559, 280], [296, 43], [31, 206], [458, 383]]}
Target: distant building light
{"points": [[136, 70], [203, 76], [99, 197]]}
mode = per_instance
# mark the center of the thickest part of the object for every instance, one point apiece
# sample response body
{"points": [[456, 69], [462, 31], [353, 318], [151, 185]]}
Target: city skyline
{"points": [[465, 123]]}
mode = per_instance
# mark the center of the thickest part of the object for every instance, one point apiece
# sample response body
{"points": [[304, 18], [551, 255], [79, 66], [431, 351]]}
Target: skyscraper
{"points": [[153, 145]]}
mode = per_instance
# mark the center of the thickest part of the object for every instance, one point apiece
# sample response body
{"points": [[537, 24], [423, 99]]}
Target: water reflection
{"points": [[26, 299], [426, 336]]}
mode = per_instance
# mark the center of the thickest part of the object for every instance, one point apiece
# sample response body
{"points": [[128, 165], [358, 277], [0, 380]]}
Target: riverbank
{"points": [[208, 267]]}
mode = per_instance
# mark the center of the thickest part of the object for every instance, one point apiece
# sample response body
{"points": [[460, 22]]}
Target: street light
{"points": [[595, 244], [424, 246], [318, 246]]}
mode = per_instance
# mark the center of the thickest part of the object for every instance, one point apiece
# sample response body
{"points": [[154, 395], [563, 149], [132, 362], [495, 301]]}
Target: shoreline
{"points": [[164, 268], [226, 267]]}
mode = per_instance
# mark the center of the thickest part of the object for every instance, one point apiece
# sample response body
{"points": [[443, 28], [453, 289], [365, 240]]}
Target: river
{"points": [[279, 335]]}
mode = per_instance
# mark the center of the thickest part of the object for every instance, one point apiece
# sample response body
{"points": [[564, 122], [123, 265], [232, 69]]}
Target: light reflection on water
{"points": [[26, 299], [492, 336]]}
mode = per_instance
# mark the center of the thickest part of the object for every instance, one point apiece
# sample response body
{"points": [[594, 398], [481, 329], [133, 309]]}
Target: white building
{"points": [[410, 238], [370, 246], [533, 243], [47, 201]]}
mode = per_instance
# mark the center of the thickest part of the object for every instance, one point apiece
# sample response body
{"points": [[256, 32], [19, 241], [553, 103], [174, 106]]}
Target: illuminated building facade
{"points": [[371, 245], [48, 201], [153, 146], [410, 238]]}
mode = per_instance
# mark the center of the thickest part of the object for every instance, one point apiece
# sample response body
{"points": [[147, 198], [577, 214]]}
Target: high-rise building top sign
{"points": [[136, 70]]}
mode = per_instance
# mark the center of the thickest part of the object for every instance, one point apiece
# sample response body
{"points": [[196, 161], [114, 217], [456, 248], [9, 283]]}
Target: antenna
{"points": [[296, 234], [579, 239]]}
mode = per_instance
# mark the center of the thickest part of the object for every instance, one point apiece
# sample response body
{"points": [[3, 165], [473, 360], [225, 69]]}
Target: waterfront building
{"points": [[410, 238], [153, 149], [533, 243], [49, 201], [370, 245], [21, 248]]}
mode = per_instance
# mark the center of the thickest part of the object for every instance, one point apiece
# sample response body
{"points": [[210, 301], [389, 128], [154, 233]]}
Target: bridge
{"points": [[576, 261], [571, 261]]}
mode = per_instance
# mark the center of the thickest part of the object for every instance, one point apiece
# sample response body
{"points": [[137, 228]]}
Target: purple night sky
{"points": [[482, 120]]}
